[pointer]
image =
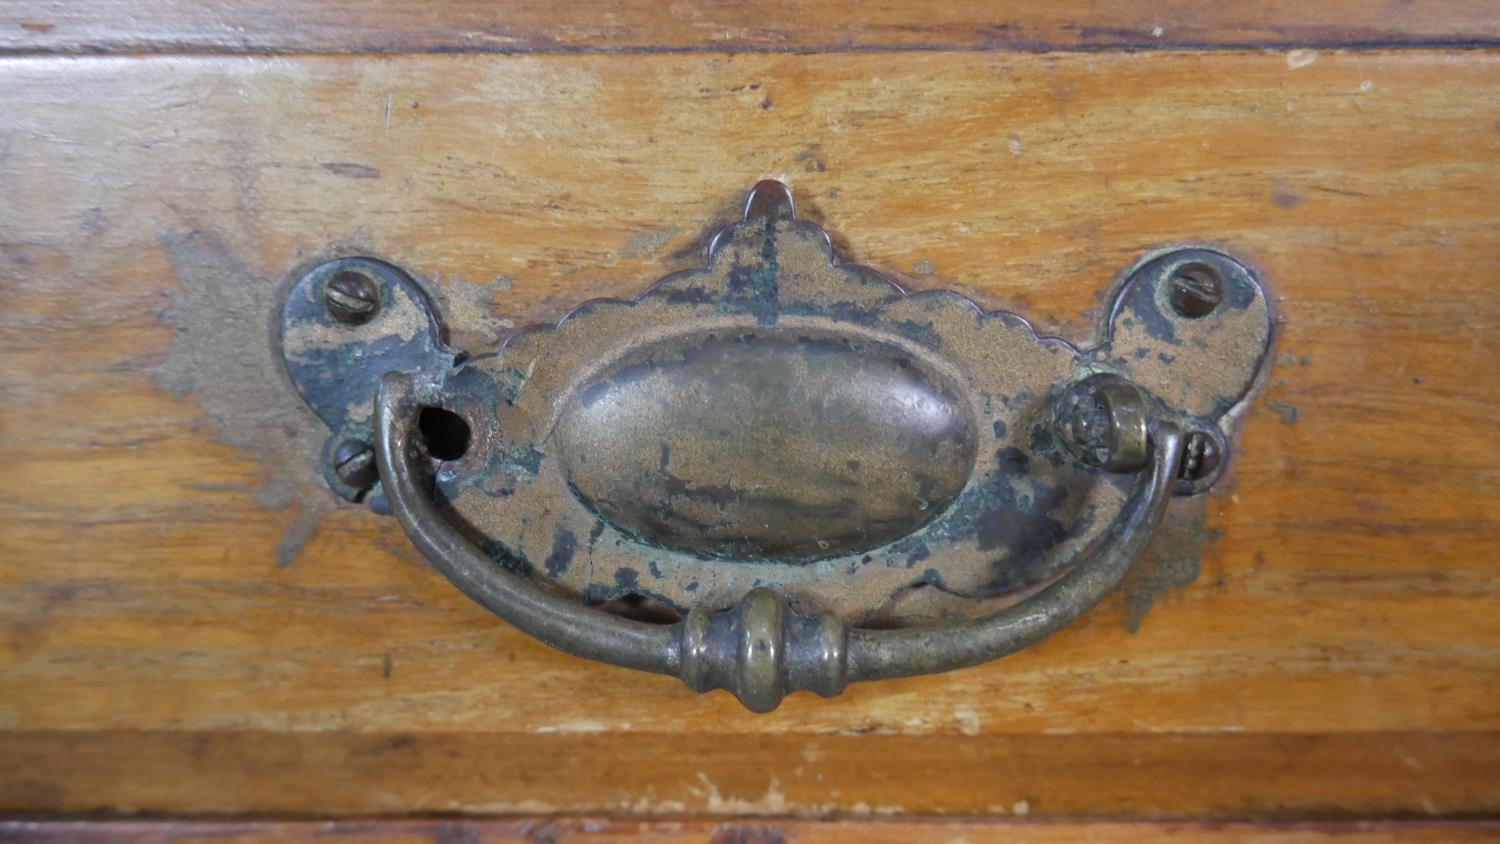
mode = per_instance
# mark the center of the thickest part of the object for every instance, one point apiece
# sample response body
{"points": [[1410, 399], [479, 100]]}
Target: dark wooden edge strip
{"points": [[722, 831], [1220, 776], [567, 26]]}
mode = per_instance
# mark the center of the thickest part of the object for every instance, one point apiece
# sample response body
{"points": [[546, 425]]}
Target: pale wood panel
{"points": [[396, 26], [1348, 590], [603, 831]]}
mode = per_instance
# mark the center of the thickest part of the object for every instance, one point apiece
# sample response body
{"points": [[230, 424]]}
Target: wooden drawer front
{"points": [[190, 623]]}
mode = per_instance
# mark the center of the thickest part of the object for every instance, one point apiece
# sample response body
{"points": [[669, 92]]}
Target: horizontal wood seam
{"points": [[189, 48], [354, 822]]}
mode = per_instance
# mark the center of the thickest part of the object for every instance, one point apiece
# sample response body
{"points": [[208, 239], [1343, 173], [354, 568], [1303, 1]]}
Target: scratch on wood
{"points": [[351, 170], [1296, 59]]}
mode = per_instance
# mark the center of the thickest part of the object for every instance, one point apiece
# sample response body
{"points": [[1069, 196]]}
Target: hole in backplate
{"points": [[445, 434]]}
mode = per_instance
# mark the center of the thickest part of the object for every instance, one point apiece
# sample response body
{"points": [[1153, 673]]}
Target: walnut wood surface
{"points": [[188, 623], [396, 26]]}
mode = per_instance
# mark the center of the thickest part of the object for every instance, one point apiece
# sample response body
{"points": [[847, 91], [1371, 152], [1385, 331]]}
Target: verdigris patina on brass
{"points": [[779, 471]]}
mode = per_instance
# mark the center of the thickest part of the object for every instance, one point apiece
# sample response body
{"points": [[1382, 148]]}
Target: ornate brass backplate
{"points": [[779, 471]]}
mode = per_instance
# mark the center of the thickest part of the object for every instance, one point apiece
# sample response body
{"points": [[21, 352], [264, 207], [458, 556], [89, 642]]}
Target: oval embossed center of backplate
{"points": [[767, 445]]}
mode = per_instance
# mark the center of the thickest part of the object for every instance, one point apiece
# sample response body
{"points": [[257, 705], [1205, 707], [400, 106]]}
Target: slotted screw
{"points": [[351, 297], [354, 464], [1200, 457], [1195, 290]]}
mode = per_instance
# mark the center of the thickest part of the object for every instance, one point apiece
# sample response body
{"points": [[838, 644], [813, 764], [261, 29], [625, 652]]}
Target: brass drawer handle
{"points": [[777, 472], [760, 650]]}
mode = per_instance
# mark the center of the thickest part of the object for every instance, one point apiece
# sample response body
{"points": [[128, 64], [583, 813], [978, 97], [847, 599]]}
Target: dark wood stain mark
{"points": [[296, 536], [1287, 413], [350, 170], [456, 832], [811, 159], [748, 834], [1286, 196]]}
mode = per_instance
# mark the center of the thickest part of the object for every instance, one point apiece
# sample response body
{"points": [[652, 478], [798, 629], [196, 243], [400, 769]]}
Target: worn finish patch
{"points": [[220, 359], [472, 310], [1172, 561]]}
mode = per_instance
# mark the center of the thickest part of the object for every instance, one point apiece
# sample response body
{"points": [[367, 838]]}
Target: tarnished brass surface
{"points": [[751, 444], [792, 466]]}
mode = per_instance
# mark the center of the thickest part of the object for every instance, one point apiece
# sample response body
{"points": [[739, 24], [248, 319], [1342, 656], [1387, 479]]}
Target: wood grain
{"points": [[189, 624], [402, 26], [603, 831], [751, 769]]}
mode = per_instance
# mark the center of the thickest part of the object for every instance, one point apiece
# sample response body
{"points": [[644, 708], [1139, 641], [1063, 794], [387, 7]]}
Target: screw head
{"points": [[351, 297], [1200, 457], [354, 464], [1195, 289]]}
